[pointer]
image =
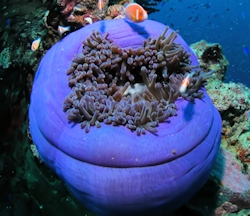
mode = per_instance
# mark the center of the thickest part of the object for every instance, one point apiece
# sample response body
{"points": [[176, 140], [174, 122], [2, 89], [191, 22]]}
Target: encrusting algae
{"points": [[136, 88]]}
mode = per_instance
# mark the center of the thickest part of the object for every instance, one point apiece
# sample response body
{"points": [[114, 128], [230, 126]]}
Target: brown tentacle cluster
{"points": [[133, 88]]}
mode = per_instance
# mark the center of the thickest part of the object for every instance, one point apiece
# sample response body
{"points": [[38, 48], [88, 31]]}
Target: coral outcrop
{"points": [[233, 102], [211, 57]]}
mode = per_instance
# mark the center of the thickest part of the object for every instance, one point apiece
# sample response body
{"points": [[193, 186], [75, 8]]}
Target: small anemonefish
{"points": [[184, 84], [35, 44], [100, 4], [135, 12]]}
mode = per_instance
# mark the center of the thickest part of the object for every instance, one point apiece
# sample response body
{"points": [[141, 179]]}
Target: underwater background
{"points": [[226, 23], [28, 187]]}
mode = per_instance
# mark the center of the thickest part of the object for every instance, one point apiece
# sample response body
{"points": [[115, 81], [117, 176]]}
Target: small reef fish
{"points": [[35, 44], [246, 50], [207, 5], [243, 15], [163, 2], [135, 12], [100, 5], [62, 29], [185, 83], [8, 22]]}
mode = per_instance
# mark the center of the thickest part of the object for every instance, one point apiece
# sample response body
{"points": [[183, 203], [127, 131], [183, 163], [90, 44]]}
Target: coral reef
{"points": [[231, 99], [23, 26], [5, 57], [21, 174], [80, 11], [233, 102], [68, 5], [225, 208], [115, 11], [228, 171], [24, 179], [211, 57], [106, 85]]}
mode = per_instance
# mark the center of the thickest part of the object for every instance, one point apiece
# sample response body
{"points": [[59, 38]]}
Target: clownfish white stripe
{"points": [[137, 15], [184, 84], [35, 44], [135, 12]]}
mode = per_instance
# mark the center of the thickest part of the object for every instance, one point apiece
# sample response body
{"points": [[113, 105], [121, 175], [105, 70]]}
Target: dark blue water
{"points": [[225, 22]]}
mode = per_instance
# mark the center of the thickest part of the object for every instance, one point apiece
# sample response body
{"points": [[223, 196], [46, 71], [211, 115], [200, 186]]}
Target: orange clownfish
{"points": [[184, 84], [135, 12], [35, 44], [100, 4]]}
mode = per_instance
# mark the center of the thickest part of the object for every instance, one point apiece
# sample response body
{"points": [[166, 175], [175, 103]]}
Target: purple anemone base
{"points": [[112, 170]]}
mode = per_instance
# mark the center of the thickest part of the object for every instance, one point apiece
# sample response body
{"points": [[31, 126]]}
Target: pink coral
{"points": [[67, 4], [231, 177], [76, 11]]}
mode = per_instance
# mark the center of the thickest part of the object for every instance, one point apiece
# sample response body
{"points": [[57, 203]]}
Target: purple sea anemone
{"points": [[107, 116]]}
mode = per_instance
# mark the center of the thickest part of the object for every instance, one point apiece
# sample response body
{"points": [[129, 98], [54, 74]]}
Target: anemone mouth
{"points": [[135, 88]]}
